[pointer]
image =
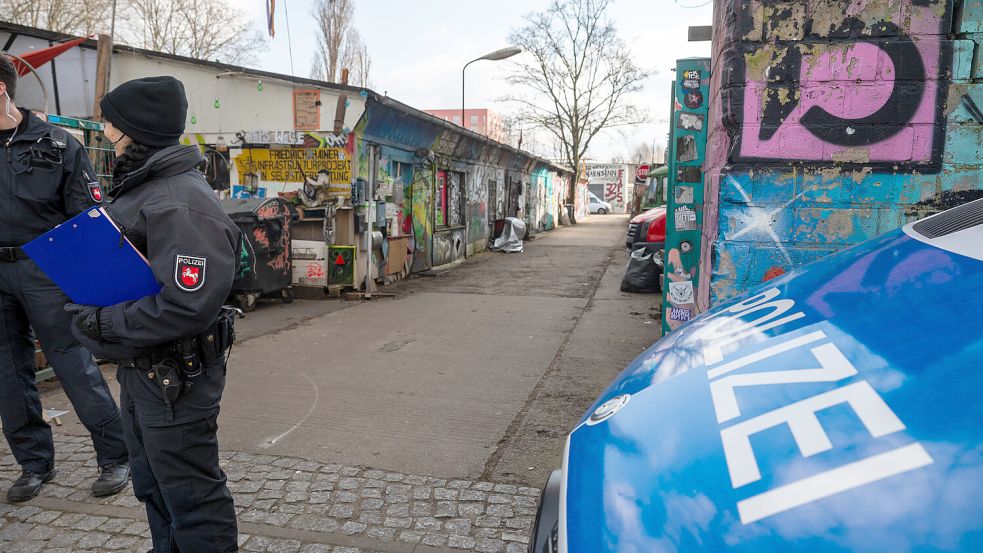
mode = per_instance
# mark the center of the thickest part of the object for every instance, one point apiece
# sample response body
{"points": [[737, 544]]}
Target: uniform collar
{"points": [[163, 163], [30, 128]]}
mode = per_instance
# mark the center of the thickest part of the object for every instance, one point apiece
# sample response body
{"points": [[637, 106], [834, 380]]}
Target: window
{"points": [[441, 203], [474, 122], [455, 199], [457, 119], [449, 204]]}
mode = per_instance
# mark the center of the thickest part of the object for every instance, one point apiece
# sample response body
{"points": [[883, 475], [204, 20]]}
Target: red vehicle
{"points": [[647, 229]]}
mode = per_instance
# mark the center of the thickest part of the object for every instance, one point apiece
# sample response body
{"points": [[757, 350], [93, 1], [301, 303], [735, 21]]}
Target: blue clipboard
{"points": [[92, 262]]}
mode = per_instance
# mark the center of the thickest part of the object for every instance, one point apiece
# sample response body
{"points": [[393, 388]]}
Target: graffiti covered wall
{"points": [[610, 183], [481, 181], [550, 199], [444, 190], [833, 121]]}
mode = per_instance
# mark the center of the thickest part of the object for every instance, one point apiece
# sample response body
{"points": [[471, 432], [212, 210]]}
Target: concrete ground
{"points": [[416, 423]]}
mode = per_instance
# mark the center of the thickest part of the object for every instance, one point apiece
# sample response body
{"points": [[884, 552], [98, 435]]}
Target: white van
{"points": [[596, 205]]}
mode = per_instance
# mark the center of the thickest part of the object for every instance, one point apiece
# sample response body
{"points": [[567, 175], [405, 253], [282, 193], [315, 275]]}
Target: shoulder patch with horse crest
{"points": [[189, 273]]}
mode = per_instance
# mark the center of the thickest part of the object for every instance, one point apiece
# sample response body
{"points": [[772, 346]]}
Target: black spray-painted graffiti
{"points": [[822, 81]]}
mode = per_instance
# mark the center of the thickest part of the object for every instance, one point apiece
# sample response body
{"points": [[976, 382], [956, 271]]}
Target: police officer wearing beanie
{"points": [[170, 346], [45, 179]]}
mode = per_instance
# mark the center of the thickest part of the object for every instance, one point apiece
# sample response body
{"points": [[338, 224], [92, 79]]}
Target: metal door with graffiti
{"points": [[419, 223], [687, 149]]}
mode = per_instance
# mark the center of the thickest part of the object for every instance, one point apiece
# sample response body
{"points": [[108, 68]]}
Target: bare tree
{"points": [[355, 57], [339, 44], [333, 19], [152, 24], [644, 152], [74, 17], [578, 80], [512, 128], [200, 29]]}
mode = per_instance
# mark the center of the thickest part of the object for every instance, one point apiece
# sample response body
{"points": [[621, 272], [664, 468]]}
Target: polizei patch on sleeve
{"points": [[189, 273], [95, 191]]}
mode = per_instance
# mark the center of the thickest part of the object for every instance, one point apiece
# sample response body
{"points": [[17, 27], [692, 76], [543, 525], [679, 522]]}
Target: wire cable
{"points": [[707, 3], [290, 48]]}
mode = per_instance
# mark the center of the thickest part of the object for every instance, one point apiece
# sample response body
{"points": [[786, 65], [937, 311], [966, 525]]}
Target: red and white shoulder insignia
{"points": [[189, 272], [95, 192]]}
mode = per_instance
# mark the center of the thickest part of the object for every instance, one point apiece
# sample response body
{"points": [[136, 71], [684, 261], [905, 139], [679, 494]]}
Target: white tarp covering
{"points": [[510, 240]]}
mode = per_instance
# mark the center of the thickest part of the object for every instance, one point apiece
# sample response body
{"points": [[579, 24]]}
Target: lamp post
{"points": [[497, 55]]}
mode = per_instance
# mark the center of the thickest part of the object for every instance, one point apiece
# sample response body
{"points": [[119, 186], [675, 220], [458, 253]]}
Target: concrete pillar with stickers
{"points": [[684, 213]]}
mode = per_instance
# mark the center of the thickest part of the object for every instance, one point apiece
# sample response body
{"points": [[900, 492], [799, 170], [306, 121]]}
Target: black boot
{"points": [[29, 484], [112, 479]]}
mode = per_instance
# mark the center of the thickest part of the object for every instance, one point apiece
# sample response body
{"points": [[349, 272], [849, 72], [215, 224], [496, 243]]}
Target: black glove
{"points": [[86, 319]]}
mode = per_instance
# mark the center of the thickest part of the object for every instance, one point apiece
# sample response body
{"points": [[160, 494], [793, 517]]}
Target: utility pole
{"points": [[104, 61], [104, 56], [370, 218]]}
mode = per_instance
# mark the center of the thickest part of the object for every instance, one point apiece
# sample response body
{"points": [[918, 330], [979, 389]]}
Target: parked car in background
{"points": [[835, 408], [647, 229], [596, 205]]}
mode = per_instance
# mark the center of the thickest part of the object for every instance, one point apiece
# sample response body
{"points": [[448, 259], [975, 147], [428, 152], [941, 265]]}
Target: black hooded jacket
{"points": [[168, 211], [45, 179]]}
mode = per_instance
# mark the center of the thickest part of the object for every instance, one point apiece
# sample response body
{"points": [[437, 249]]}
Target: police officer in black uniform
{"points": [[170, 346], [45, 179]]}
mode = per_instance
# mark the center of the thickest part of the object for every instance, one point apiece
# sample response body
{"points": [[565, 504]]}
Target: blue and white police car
{"points": [[836, 408]]}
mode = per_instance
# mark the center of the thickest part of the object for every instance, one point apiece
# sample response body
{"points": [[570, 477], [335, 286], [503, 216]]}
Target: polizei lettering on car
{"points": [[836, 408]]}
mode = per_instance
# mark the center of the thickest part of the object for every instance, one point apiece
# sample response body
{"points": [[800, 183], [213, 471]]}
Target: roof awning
{"points": [[37, 58]]}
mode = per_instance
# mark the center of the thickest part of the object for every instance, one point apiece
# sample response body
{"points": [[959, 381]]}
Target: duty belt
{"points": [[11, 254], [142, 362], [192, 353]]}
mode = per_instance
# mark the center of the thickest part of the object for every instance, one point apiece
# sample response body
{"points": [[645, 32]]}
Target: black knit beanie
{"points": [[151, 110]]}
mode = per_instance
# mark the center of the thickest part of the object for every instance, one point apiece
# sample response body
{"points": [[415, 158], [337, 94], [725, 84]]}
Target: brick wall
{"points": [[835, 121]]}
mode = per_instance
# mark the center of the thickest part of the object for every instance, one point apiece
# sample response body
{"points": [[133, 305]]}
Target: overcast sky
{"points": [[419, 46]]}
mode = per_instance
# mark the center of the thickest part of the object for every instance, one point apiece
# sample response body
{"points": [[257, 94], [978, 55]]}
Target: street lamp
{"points": [[497, 55]]}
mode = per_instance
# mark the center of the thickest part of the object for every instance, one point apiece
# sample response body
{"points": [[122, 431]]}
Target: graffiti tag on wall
{"points": [[279, 212], [612, 193], [837, 81], [610, 179], [309, 139]]}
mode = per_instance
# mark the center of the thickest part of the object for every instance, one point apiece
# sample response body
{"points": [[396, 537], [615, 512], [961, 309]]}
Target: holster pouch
{"points": [[212, 344], [167, 375], [208, 345], [188, 356], [225, 328]]}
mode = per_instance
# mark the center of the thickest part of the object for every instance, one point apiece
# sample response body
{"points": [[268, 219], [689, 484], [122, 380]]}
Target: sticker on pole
{"points": [[189, 273], [680, 314], [693, 99], [685, 218], [681, 293]]}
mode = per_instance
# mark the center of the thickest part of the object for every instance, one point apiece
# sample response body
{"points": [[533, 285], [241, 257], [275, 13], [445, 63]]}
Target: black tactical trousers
{"points": [[28, 298], [174, 462]]}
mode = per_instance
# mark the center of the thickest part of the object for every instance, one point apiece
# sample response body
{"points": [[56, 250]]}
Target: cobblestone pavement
{"points": [[284, 504]]}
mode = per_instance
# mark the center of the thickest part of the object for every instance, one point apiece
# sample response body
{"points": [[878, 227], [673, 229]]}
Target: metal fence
{"points": [[90, 134]]}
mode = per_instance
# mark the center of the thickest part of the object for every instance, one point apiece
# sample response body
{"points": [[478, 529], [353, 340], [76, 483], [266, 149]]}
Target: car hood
{"points": [[836, 408], [649, 215]]}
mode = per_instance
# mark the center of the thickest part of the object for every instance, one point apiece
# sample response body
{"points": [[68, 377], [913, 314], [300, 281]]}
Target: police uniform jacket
{"points": [[45, 179], [168, 211]]}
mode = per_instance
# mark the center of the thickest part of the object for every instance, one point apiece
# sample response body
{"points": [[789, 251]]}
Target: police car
{"points": [[835, 408]]}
